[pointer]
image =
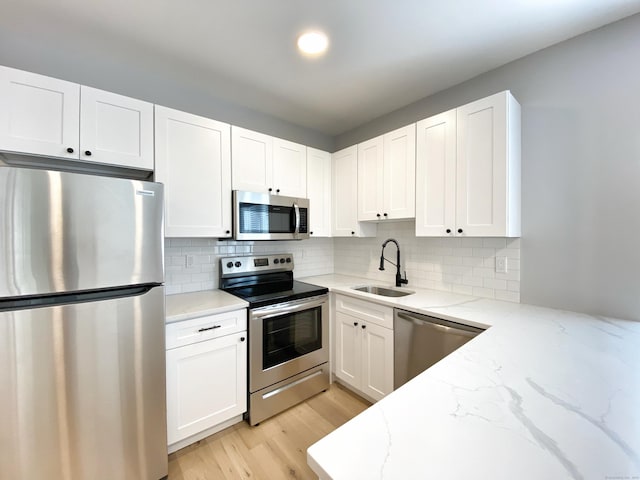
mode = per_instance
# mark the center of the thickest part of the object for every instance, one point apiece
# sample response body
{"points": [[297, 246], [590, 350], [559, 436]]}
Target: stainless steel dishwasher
{"points": [[419, 341]]}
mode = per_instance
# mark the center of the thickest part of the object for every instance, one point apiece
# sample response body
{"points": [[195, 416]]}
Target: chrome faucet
{"points": [[399, 280]]}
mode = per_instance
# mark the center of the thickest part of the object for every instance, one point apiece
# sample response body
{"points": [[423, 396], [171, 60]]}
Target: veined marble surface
{"points": [[183, 306], [542, 394]]}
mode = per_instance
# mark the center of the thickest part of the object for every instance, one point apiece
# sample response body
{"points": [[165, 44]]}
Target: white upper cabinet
{"points": [[289, 168], [45, 116], [370, 179], [38, 114], [400, 173], [436, 175], [468, 170], [488, 167], [345, 196], [252, 160], [386, 176], [262, 163], [319, 192], [115, 130], [193, 160]]}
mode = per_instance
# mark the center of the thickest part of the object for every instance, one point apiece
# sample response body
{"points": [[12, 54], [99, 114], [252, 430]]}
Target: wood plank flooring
{"points": [[275, 449]]}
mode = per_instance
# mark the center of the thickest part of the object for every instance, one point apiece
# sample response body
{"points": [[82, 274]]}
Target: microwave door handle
{"points": [[296, 209]]}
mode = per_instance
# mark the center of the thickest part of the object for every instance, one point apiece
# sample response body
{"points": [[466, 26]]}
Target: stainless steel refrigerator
{"points": [[82, 357]]}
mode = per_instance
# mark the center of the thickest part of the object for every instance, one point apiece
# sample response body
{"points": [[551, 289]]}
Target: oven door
{"points": [[286, 339]]}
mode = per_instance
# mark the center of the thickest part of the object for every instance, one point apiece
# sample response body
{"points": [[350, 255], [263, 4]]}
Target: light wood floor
{"points": [[275, 449]]}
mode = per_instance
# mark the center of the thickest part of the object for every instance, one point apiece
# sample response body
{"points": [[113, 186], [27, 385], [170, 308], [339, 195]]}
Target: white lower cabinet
{"points": [[364, 346], [206, 376]]}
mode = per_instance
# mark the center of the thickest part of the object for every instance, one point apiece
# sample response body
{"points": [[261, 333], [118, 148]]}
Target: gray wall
{"points": [[580, 166], [128, 68]]}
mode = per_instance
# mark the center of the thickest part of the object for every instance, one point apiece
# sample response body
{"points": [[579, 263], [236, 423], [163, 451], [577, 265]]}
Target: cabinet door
{"points": [[206, 385], [377, 360], [482, 167], [400, 173], [193, 160], [289, 168], [319, 191], [436, 175], [251, 160], [370, 179], [345, 192], [348, 349], [39, 115], [115, 130]]}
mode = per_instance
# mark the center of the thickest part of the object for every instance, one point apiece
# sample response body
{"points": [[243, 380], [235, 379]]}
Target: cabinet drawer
{"points": [[205, 328], [369, 311]]}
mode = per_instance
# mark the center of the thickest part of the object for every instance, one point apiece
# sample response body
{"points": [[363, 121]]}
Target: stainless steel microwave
{"points": [[261, 216]]}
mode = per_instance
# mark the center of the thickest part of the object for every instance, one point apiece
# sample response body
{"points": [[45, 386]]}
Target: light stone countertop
{"points": [[183, 306], [542, 394]]}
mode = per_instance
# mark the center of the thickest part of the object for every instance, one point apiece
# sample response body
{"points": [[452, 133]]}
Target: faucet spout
{"points": [[399, 280]]}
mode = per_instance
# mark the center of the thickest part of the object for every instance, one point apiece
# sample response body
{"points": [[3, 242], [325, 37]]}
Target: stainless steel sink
{"points": [[385, 292]]}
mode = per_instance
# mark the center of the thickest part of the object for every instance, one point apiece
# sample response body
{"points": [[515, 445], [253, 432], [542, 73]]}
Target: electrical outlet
{"points": [[189, 260], [501, 264]]}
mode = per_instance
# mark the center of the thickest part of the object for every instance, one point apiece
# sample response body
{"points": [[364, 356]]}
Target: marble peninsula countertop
{"points": [[183, 306], [542, 394]]}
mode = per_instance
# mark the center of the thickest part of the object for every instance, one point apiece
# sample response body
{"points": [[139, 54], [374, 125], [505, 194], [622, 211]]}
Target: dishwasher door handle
{"points": [[464, 330]]}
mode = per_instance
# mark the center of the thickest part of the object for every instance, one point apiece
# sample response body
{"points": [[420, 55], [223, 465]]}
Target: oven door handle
{"points": [[296, 209], [262, 314]]}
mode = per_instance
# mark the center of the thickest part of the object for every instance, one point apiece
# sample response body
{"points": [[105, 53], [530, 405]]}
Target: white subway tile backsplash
{"points": [[507, 296], [483, 292], [494, 242], [471, 242], [463, 289], [484, 272], [513, 286], [311, 257], [458, 264], [484, 252], [472, 281], [494, 283]]}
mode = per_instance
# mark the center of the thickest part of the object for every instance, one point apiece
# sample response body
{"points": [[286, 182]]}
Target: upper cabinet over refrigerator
{"points": [[45, 116]]}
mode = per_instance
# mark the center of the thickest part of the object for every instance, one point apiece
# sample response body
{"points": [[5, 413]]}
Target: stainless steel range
{"points": [[288, 332]]}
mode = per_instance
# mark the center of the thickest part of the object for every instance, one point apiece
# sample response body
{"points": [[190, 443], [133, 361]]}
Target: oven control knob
{"points": [[229, 264], [276, 261], [282, 260], [238, 264], [288, 259]]}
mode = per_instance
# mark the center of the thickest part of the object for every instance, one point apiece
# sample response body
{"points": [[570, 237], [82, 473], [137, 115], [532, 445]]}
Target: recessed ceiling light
{"points": [[313, 43]]}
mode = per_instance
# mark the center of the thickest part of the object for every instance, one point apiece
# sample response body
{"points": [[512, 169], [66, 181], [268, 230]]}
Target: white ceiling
{"points": [[384, 54]]}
